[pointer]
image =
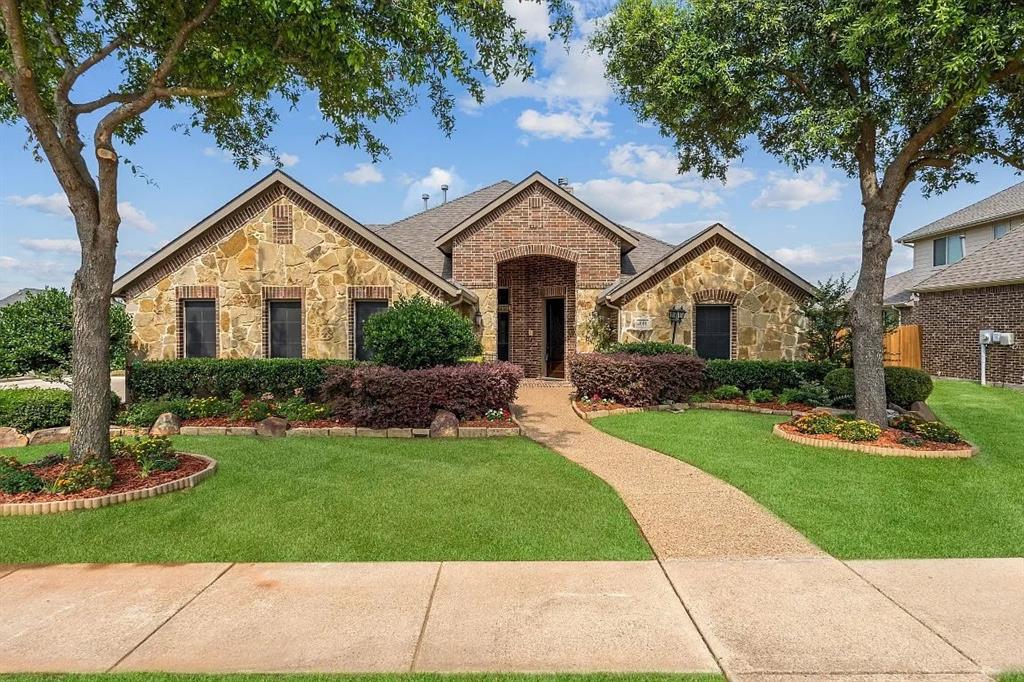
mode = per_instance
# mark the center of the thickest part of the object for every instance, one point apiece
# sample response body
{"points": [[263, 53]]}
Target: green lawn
{"points": [[861, 506], [348, 499], [411, 677]]}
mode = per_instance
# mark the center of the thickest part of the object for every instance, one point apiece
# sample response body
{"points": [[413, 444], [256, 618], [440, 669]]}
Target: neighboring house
{"points": [[968, 275], [18, 296], [279, 271]]}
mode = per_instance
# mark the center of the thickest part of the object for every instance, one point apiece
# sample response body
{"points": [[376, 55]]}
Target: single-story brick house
{"points": [[968, 276], [279, 271]]}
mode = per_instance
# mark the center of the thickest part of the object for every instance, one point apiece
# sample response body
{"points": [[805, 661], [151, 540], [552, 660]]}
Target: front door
{"points": [[713, 331], [554, 337]]}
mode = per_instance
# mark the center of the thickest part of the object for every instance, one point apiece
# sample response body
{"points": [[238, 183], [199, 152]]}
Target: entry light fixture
{"points": [[675, 315], [478, 319]]}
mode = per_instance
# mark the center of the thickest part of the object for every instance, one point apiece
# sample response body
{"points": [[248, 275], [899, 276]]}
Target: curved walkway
{"points": [[683, 511]]}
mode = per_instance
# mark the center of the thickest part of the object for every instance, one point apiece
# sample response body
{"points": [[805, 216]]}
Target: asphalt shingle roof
{"points": [[1001, 261], [898, 287], [1003, 204]]}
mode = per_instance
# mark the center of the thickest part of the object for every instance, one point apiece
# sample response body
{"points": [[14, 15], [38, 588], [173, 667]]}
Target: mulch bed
{"points": [[492, 423], [597, 407], [225, 421], [890, 438], [771, 405], [126, 478]]}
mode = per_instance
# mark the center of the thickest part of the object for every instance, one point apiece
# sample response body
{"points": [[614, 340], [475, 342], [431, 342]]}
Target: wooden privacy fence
{"points": [[902, 347]]}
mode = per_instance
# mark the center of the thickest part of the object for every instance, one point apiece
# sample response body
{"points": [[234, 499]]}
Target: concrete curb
{"points": [[873, 449], [55, 506]]}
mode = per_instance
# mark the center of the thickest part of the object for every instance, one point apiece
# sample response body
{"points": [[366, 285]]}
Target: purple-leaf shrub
{"points": [[637, 380]]}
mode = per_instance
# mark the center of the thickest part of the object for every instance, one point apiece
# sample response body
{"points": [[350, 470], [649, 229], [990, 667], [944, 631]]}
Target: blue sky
{"points": [[564, 122]]}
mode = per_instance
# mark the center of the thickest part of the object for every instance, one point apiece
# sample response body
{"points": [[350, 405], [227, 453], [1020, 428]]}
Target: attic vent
{"points": [[536, 201], [283, 223]]}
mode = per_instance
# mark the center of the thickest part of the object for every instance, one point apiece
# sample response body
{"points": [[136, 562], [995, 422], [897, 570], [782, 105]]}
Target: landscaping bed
{"points": [[890, 441]]}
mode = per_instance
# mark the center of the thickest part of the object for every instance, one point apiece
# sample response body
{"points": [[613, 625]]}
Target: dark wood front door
{"points": [[713, 331], [554, 337]]}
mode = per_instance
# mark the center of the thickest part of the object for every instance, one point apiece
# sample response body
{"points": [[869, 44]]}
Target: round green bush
{"points": [[839, 384], [816, 423], [857, 430], [726, 392], [417, 334], [905, 385]]}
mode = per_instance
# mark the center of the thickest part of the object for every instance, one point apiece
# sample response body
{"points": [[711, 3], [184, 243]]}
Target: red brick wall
{"points": [[950, 322], [531, 280], [537, 217]]}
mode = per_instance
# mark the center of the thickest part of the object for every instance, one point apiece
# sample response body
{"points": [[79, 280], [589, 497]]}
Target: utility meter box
{"points": [[1004, 338], [990, 337], [985, 336]]}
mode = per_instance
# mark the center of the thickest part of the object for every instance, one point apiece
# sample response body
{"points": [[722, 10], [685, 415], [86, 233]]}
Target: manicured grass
{"points": [[861, 506], [406, 677], [348, 499]]}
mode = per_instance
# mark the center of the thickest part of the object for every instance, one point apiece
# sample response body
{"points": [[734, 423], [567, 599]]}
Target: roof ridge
{"points": [[442, 205]]}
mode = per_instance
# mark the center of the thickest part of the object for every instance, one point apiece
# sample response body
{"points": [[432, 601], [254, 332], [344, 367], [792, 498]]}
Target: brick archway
{"points": [[715, 296], [523, 250]]}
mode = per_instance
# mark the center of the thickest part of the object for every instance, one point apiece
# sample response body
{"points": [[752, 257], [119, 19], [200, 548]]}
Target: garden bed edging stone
{"points": [[872, 449]]}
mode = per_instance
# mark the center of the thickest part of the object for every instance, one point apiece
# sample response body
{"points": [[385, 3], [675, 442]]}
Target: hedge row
{"points": [[382, 397], [903, 385], [635, 379], [201, 377], [775, 375], [28, 409]]}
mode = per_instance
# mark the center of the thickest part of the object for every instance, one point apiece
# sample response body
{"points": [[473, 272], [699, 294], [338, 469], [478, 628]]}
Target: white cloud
{"points": [[431, 184], [647, 162], [37, 270], [636, 201], [51, 204], [56, 245], [736, 176], [8, 263], [530, 17], [811, 186], [287, 160], [363, 174], [675, 232], [133, 217], [815, 263], [564, 125]]}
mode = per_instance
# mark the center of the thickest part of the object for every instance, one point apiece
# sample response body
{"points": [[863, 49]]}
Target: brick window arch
{"points": [[536, 250]]}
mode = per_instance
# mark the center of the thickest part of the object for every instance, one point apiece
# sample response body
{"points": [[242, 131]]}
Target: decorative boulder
{"points": [[272, 427], [923, 411], [12, 438], [445, 425], [58, 434], [167, 424]]}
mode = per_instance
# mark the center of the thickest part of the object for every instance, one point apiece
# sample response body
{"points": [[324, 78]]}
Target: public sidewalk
{"points": [[770, 619]]}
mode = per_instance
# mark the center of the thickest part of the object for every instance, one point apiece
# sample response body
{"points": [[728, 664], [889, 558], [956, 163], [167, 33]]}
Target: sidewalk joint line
{"points": [[689, 615], [426, 616], [168, 619], [902, 608], [10, 572]]}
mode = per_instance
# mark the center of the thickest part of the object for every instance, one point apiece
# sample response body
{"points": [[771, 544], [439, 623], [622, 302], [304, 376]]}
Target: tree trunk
{"points": [[90, 351], [866, 314]]}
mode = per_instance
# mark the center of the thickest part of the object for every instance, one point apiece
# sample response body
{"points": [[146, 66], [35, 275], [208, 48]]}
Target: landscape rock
{"points": [[167, 424], [12, 438], [923, 411], [272, 427], [58, 434], [445, 425]]}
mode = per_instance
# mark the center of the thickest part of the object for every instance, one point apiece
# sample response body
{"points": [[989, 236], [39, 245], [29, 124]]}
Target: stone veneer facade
{"points": [[323, 267], [766, 322]]}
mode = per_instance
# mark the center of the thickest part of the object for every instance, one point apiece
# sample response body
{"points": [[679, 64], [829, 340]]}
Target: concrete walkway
{"points": [[760, 619], [683, 512]]}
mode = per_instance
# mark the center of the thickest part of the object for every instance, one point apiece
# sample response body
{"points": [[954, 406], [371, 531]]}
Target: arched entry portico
{"points": [[537, 308]]}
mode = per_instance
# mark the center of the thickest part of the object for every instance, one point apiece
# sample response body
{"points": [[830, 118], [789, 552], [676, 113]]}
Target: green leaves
{"points": [[417, 333]]}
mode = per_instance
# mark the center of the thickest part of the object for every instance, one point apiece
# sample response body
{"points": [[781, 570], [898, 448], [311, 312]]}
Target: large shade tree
{"points": [[889, 91], [229, 65]]}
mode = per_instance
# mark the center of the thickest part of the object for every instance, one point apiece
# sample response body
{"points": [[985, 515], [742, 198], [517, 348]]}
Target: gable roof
{"points": [[899, 287], [1005, 204], [713, 235], [999, 262], [329, 211], [626, 238], [18, 296]]}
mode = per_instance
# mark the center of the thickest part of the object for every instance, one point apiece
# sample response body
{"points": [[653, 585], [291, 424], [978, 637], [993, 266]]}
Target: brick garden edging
{"points": [[594, 414], [55, 506], [348, 431], [678, 407], [871, 449]]}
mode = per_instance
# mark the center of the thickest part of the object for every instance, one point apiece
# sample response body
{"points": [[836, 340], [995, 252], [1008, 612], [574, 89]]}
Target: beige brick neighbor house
{"points": [[280, 272]]}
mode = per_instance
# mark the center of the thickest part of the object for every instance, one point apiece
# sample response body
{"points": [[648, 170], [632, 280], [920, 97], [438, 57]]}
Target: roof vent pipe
{"points": [[564, 184], [444, 194], [426, 198]]}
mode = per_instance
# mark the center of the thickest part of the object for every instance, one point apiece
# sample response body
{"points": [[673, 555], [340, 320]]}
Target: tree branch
{"points": [[106, 100]]}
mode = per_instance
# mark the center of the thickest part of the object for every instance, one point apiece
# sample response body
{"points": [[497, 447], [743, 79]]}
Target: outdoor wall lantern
{"points": [[478, 319], [675, 315]]}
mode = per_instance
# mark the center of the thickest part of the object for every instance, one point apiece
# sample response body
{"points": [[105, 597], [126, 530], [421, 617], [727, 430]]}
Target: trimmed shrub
{"points": [[201, 377], [905, 422], [382, 397], [857, 430], [92, 473], [903, 385], [648, 348], [28, 409], [417, 334], [809, 393], [15, 479], [727, 392], [775, 375], [937, 432], [816, 423], [637, 380], [760, 395]]}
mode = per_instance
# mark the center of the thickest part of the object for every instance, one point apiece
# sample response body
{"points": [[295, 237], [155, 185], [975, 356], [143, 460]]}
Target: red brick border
{"points": [[872, 449]]}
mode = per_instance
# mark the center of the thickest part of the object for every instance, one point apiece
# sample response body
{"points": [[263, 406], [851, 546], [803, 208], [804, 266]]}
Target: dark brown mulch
{"points": [[126, 478], [596, 407], [890, 438], [320, 423], [771, 405], [495, 423]]}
